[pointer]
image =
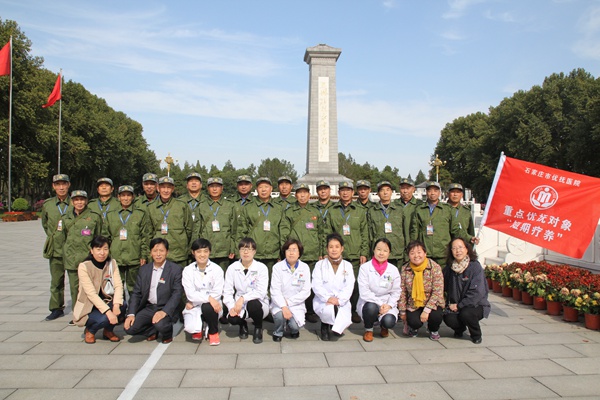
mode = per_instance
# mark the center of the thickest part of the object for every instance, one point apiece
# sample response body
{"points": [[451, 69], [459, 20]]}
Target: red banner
{"points": [[55, 95], [549, 207], [5, 60]]}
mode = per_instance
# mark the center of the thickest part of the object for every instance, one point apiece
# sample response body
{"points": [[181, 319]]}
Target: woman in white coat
{"points": [[203, 283], [245, 292], [333, 283], [290, 287], [379, 291]]}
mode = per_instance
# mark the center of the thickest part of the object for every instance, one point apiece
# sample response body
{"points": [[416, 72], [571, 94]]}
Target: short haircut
{"points": [[159, 240], [334, 236], [415, 243], [287, 245], [201, 243], [383, 240], [247, 242]]}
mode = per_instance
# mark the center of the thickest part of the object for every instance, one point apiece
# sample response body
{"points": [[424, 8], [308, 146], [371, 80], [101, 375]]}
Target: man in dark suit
{"points": [[156, 296]]}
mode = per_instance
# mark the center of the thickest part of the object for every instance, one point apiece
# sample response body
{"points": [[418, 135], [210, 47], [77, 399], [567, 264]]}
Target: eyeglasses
{"points": [[458, 248], [245, 249], [291, 250]]}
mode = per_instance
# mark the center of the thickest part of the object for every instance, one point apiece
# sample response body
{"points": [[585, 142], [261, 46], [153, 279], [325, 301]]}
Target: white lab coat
{"points": [[252, 285], [326, 284], [290, 289], [198, 287], [378, 289]]}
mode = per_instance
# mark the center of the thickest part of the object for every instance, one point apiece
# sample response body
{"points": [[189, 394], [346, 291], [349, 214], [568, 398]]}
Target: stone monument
{"points": [[322, 146]]}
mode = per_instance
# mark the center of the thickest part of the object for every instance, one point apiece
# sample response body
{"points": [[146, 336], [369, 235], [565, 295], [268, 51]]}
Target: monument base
{"points": [[333, 179]]}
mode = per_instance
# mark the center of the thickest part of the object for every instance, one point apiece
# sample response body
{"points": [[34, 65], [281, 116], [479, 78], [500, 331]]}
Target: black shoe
{"points": [[312, 318], [476, 340], [325, 332], [71, 323], [244, 331], [356, 318], [295, 335], [257, 336], [276, 338], [55, 314], [458, 334]]}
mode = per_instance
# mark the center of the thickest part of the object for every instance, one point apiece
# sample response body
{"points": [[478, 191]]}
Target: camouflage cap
{"points": [[407, 181], [216, 180], [284, 178], [299, 186], [79, 193], [363, 182], [384, 183], [193, 175], [166, 179], [244, 178], [263, 179], [322, 183], [150, 177], [346, 184], [432, 183], [60, 178], [126, 188], [104, 180], [455, 186]]}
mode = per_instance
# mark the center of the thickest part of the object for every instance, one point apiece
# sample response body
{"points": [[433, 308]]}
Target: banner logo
{"points": [[543, 197]]}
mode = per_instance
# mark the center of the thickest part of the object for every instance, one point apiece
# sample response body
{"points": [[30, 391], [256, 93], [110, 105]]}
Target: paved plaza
{"points": [[525, 354]]}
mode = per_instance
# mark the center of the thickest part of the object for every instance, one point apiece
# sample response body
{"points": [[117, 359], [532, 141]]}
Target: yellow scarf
{"points": [[418, 288]]}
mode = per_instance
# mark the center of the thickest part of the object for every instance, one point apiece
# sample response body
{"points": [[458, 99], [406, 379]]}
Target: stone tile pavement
{"points": [[525, 354]]}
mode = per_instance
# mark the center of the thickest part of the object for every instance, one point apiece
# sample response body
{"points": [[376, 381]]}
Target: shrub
{"points": [[20, 204]]}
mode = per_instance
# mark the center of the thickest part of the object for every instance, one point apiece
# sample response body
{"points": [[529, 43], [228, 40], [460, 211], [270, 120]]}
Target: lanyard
{"points": [[62, 211], [266, 214], [384, 211], [323, 215], [456, 212], [195, 205], [165, 215], [344, 214], [215, 213], [126, 219], [101, 210]]}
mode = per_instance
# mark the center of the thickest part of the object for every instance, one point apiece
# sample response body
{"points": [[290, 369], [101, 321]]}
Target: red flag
{"points": [[5, 60], [55, 95], [549, 207]]}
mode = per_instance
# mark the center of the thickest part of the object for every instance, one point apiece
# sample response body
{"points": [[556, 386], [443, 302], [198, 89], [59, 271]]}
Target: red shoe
{"points": [[213, 339], [197, 336], [109, 335], [368, 336], [151, 337], [167, 341], [90, 338], [384, 332]]}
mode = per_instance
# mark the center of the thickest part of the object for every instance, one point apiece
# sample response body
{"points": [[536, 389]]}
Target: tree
{"points": [[274, 168], [420, 178]]}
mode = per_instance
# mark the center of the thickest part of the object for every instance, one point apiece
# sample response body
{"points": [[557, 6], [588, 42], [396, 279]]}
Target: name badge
{"points": [[295, 281], [429, 230], [383, 283], [164, 228], [310, 225], [161, 280], [59, 226], [123, 234], [387, 228], [216, 227], [346, 229], [86, 232], [267, 226], [193, 217]]}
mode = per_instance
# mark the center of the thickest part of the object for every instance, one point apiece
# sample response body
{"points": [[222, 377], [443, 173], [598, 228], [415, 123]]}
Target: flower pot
{"points": [[553, 307], [570, 314], [506, 291], [526, 298], [592, 321], [539, 303], [490, 282], [516, 294], [496, 287]]}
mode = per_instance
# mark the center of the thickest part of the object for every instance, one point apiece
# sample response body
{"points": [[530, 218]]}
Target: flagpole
{"points": [[491, 195], [59, 119], [10, 131]]}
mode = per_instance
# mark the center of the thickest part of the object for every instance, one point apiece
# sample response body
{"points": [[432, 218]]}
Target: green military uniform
{"points": [[260, 221], [389, 223], [305, 225], [324, 210], [462, 213], [141, 202], [365, 206], [172, 221], [356, 241], [103, 207], [128, 230], [408, 209], [219, 227], [53, 210], [285, 203], [194, 203]]}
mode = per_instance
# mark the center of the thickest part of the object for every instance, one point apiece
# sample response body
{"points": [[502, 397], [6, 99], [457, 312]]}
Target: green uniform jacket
{"points": [[223, 241], [240, 203], [142, 201], [445, 228], [285, 203], [368, 205], [356, 244], [53, 211], [463, 214], [324, 210], [128, 251], [304, 224], [395, 216], [251, 224], [409, 210], [194, 205], [178, 217], [103, 208], [79, 232]]}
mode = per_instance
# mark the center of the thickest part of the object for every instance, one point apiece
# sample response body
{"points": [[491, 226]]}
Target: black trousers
{"points": [[370, 313], [255, 311], [413, 318], [210, 317], [467, 317], [142, 325]]}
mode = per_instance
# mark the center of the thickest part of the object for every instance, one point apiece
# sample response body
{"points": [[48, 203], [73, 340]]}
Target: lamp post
{"points": [[169, 160], [437, 163]]}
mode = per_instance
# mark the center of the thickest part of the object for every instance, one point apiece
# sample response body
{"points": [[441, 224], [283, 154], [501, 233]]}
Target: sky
{"points": [[212, 81]]}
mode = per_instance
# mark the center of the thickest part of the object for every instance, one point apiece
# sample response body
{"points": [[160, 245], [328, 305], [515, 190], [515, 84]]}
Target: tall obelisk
{"points": [[322, 147]]}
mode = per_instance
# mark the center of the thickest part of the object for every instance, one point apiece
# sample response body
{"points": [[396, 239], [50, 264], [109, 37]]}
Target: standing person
{"points": [[379, 287], [324, 202], [409, 204], [422, 292], [203, 283], [467, 291], [105, 200], [98, 307], [461, 212], [81, 225], [171, 219], [363, 190], [386, 220], [155, 299], [351, 222], [245, 291], [290, 287], [260, 221], [244, 194], [128, 230], [193, 198], [150, 188], [433, 225], [333, 283], [53, 210], [302, 222], [285, 199]]}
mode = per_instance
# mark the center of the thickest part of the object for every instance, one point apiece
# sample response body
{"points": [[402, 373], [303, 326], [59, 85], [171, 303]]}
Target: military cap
{"points": [[407, 181], [79, 193], [284, 178], [60, 178], [150, 177], [455, 186], [432, 183], [384, 183], [323, 183], [363, 182], [166, 179], [193, 175], [126, 188], [104, 180], [216, 180], [299, 186], [263, 179], [244, 178], [346, 184]]}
